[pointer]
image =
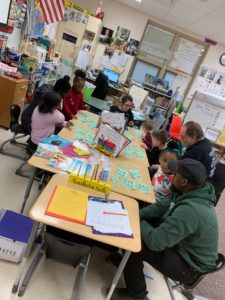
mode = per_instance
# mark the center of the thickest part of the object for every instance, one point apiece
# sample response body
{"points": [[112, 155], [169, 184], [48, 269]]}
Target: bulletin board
{"points": [[209, 111]]}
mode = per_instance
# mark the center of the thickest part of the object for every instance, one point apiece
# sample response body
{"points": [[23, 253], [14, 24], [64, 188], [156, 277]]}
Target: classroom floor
{"points": [[54, 281]]}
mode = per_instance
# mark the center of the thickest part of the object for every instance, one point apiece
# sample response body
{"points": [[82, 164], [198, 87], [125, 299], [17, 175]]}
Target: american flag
{"points": [[53, 10]]}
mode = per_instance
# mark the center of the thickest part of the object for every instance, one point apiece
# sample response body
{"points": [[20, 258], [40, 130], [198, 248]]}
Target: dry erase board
{"points": [[208, 110]]}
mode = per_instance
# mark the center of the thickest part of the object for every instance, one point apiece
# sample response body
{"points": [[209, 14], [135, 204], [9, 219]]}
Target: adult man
{"points": [[184, 243], [197, 146]]}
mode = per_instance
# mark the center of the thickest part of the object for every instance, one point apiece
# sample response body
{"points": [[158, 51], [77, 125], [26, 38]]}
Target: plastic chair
{"points": [[62, 251], [17, 130], [102, 86], [175, 128], [187, 289], [174, 132]]}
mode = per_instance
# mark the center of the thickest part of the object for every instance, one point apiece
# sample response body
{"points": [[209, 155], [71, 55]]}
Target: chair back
{"points": [[175, 127], [220, 264], [102, 86], [64, 251], [14, 115], [218, 180]]}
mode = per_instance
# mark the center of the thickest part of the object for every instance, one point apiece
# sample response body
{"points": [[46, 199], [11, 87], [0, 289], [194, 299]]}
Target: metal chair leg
{"points": [[84, 267], [28, 189], [170, 289], [13, 141]]}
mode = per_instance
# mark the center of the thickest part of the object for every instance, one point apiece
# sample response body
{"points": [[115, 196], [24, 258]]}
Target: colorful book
{"points": [[109, 141], [47, 151], [116, 120], [56, 140]]}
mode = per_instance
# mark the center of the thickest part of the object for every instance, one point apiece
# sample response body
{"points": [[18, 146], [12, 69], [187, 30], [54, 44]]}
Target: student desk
{"points": [[121, 161], [98, 104], [37, 213]]}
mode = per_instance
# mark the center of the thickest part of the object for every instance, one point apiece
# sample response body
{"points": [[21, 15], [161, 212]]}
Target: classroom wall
{"points": [[117, 14]]}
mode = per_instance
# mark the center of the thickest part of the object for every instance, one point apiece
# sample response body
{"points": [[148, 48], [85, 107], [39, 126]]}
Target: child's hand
{"points": [[143, 145], [69, 124], [74, 117], [131, 123], [155, 166]]}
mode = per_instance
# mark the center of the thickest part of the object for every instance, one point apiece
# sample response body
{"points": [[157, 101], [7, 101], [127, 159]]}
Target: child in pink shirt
{"points": [[46, 117]]}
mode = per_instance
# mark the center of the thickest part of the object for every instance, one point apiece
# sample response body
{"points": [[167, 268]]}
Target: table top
{"points": [[133, 157], [98, 103], [37, 213]]}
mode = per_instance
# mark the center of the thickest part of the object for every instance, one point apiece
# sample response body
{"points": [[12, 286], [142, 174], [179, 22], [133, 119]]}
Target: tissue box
{"points": [[15, 230]]}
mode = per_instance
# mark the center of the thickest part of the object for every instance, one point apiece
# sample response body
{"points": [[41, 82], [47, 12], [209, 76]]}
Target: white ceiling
{"points": [[202, 17]]}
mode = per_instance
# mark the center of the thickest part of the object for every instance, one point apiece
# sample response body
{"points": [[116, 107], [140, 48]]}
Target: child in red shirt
{"points": [[147, 134], [74, 101]]}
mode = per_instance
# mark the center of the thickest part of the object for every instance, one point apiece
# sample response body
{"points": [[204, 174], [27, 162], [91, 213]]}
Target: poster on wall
{"points": [[72, 15], [210, 81], [106, 36], [132, 47], [122, 33]]}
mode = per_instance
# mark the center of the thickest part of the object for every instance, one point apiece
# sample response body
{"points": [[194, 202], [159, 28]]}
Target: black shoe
{"points": [[122, 294]]}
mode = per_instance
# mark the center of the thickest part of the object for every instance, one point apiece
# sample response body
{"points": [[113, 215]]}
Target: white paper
{"points": [[115, 120], [108, 218], [220, 121], [211, 134]]}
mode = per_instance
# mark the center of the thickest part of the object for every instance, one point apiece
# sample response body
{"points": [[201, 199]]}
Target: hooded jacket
{"points": [[188, 223]]}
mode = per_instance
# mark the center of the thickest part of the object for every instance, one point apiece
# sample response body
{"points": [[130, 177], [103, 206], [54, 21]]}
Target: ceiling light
{"points": [[139, 1]]}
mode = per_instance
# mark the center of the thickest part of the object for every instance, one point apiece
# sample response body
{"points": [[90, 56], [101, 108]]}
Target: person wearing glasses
{"points": [[125, 107]]}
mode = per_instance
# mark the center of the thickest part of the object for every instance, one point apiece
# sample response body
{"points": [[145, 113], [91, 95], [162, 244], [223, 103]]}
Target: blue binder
{"points": [[15, 226]]}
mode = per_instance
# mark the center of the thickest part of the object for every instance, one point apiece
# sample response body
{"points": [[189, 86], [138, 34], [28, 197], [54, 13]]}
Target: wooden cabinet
{"points": [[12, 91]]}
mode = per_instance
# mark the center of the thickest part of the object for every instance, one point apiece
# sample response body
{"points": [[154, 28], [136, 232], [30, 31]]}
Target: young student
{"points": [[80, 73], [147, 135], [125, 107], [163, 178], [159, 139], [61, 87], [45, 118], [74, 101]]}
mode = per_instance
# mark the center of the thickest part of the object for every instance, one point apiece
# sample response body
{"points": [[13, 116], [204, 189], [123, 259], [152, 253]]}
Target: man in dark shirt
{"points": [[197, 146], [125, 107]]}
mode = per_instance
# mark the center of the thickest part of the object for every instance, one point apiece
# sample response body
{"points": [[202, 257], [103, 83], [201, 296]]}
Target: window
{"points": [[141, 69]]}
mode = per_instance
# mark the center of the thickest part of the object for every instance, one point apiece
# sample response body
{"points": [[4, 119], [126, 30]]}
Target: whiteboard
{"points": [[207, 110]]}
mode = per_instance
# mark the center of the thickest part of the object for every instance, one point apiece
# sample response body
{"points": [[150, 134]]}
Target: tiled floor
{"points": [[53, 281]]}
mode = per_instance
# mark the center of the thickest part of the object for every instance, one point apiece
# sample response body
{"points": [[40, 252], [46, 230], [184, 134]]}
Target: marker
{"points": [[113, 213]]}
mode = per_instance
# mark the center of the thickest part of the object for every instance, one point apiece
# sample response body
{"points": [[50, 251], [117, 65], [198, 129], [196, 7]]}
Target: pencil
{"points": [[93, 173], [96, 172], [113, 213], [79, 169]]}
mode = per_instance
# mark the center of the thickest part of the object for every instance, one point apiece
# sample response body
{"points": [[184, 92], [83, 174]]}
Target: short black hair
{"points": [[127, 98], [49, 101], [77, 78], [62, 85], [170, 151], [80, 73]]}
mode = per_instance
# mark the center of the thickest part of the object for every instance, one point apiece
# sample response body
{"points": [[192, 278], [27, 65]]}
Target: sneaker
{"points": [[122, 294]]}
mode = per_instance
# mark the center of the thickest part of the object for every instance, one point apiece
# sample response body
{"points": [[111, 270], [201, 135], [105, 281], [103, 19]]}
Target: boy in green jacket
{"points": [[184, 243]]}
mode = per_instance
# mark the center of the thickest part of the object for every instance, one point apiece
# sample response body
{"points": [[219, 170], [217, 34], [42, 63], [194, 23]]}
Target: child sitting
{"points": [[159, 139], [74, 101], [45, 118], [147, 135], [125, 107], [162, 179]]}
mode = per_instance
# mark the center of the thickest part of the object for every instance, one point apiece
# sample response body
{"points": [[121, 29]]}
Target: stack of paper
{"points": [[108, 217]]}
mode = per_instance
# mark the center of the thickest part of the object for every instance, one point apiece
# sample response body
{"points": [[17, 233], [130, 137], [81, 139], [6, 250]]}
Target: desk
{"points": [[116, 162], [98, 104], [37, 213]]}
